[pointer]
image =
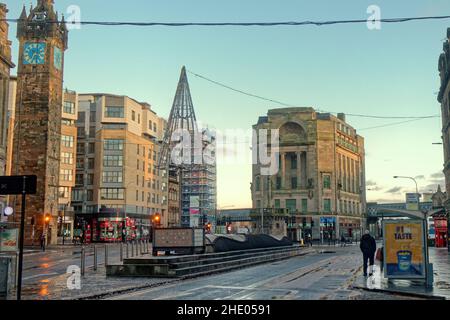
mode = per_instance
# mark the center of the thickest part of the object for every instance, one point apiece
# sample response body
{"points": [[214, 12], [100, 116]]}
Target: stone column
{"points": [[299, 170], [283, 170]]}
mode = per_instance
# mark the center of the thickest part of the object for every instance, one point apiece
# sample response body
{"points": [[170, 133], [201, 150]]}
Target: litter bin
{"points": [[5, 266]]}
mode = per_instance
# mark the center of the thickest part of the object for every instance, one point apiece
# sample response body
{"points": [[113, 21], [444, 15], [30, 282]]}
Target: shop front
{"points": [[350, 228], [111, 227]]}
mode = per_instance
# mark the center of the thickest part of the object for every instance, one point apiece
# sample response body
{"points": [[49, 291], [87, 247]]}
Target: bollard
{"points": [[121, 252], [95, 258], [127, 251], [82, 261], [132, 249], [106, 255]]}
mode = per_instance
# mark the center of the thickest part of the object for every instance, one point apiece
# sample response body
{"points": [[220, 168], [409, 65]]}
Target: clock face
{"points": [[57, 57], [34, 53]]}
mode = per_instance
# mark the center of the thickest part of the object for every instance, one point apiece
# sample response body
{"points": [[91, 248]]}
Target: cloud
{"points": [[437, 175], [371, 183], [395, 190], [421, 177]]}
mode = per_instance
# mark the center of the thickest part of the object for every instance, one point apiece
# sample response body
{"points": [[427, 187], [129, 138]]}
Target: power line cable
{"points": [[392, 124], [292, 105], [240, 24]]}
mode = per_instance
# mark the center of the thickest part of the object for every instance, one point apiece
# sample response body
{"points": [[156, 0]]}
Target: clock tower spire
{"points": [[37, 136]]}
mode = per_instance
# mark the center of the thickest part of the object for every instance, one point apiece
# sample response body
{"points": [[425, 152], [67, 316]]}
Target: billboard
{"points": [[404, 249], [9, 240], [195, 202]]}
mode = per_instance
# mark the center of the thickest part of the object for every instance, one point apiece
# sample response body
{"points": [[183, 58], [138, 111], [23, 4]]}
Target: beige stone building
{"points": [[319, 189], [117, 184], [5, 66]]}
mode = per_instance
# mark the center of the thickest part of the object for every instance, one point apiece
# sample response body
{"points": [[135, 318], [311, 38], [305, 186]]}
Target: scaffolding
{"points": [[198, 180]]}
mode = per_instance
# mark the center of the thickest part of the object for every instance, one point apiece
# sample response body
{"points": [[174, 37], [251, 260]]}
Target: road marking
{"points": [[41, 275]]}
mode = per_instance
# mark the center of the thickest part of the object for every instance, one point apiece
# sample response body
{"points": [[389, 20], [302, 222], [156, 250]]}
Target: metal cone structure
{"points": [[182, 116], [197, 179]]}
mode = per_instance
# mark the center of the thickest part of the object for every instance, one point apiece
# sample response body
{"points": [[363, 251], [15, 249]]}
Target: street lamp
{"points": [[417, 188]]}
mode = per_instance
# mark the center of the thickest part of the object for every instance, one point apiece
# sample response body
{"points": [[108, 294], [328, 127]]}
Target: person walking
{"points": [[42, 241], [343, 241], [368, 248]]}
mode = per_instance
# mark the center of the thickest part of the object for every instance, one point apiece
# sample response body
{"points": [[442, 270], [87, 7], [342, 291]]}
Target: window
{"points": [[63, 192], [258, 204], [294, 184], [327, 181], [66, 175], [279, 181], [112, 177], [93, 116], [291, 204], [90, 195], [81, 147], [91, 147], [154, 155], [77, 195], [150, 124], [112, 194], [139, 119], [67, 141], [137, 164], [277, 203], [294, 162], [258, 184], [327, 205], [113, 145], [91, 163], [112, 161], [133, 115], [69, 107], [81, 117], [90, 180], [138, 148], [92, 131], [79, 179], [304, 205], [67, 158], [114, 112], [81, 133], [154, 127]]}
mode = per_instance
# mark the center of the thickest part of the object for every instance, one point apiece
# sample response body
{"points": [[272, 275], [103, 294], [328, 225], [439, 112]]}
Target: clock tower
{"points": [[43, 40]]}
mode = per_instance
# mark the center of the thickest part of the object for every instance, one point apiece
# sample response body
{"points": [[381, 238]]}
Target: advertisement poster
{"points": [[404, 249], [9, 240], [195, 202]]}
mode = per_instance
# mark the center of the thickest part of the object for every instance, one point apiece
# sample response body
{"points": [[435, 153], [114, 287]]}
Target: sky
{"points": [[339, 68]]}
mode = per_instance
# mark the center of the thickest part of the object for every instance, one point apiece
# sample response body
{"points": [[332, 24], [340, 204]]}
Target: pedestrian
{"points": [[368, 247], [310, 241], [42, 241], [343, 241]]}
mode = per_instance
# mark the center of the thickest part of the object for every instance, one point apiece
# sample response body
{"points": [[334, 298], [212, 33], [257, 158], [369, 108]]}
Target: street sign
{"points": [[9, 240], [13, 185], [412, 201]]}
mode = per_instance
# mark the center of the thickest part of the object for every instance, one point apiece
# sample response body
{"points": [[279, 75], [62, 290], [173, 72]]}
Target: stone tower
{"points": [[42, 42]]}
